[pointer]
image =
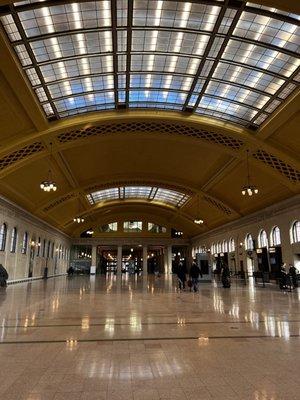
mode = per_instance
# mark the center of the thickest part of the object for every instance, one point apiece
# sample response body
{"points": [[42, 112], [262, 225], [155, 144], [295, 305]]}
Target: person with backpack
{"points": [[3, 276], [195, 273]]}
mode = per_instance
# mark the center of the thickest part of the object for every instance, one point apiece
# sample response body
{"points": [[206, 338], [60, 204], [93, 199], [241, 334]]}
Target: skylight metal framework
{"points": [[146, 193], [227, 59]]}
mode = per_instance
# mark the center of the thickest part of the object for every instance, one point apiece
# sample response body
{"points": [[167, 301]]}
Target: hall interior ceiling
{"points": [[227, 59], [148, 108]]}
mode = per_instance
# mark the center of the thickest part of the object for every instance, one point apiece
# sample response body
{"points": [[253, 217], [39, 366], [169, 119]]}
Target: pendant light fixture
{"points": [[49, 185], [198, 220], [249, 189], [78, 218]]}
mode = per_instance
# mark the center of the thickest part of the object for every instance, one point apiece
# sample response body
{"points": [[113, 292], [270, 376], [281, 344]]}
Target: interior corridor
{"points": [[103, 338]]}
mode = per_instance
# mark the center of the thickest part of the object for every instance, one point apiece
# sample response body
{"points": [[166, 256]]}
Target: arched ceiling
{"points": [[201, 155]]}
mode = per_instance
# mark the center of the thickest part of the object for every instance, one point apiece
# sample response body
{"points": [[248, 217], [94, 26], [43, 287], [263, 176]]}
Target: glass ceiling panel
{"points": [[147, 193], [236, 64]]}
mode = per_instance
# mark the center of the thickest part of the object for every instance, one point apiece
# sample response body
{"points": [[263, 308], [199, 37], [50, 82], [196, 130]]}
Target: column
{"points": [[145, 261], [94, 260], [119, 260], [166, 261], [169, 258], [189, 257]]}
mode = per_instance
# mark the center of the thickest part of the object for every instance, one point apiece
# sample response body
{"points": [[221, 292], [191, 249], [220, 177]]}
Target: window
{"points": [[3, 234], [249, 245], [60, 252], [231, 245], [146, 193], [219, 247], [72, 73], [38, 247], [112, 227], [154, 228], [48, 249], [44, 247], [24, 243], [262, 239], [225, 246], [13, 242], [295, 232], [52, 250], [132, 226], [275, 236]]}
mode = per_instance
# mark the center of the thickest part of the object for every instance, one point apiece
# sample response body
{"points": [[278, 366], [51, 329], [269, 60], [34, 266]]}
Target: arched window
{"points": [[24, 243], [48, 249], [59, 252], [13, 241], [225, 246], [275, 236], [295, 232], [249, 242], [262, 239], [38, 252], [219, 248], [231, 245], [3, 234], [44, 247]]}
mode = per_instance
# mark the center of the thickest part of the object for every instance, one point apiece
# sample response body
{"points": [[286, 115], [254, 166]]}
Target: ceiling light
{"points": [[249, 189], [78, 219], [198, 220], [48, 184]]}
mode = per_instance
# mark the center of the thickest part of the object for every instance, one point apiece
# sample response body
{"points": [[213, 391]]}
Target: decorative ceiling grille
{"points": [[279, 165], [218, 205], [151, 127], [20, 154], [59, 201], [230, 60]]}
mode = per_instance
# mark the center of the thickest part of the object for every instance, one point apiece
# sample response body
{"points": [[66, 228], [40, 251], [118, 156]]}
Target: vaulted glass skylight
{"points": [[235, 61], [147, 193]]}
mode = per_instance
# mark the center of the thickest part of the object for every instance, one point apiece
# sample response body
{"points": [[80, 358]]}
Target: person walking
{"points": [[225, 276], [181, 274], [195, 273], [294, 275], [3, 276], [282, 277]]}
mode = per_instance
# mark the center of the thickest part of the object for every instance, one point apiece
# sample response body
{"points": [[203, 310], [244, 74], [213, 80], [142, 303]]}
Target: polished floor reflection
{"points": [[134, 338]]}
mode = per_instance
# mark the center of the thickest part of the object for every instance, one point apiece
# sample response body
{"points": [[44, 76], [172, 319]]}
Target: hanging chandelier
{"points": [[249, 189], [48, 184], [78, 219], [198, 220]]}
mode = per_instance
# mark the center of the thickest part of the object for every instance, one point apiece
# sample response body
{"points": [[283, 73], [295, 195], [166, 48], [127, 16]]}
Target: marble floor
{"points": [[85, 338]]}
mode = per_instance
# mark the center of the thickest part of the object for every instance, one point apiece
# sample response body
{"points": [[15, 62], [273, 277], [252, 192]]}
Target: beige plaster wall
{"points": [[17, 264]]}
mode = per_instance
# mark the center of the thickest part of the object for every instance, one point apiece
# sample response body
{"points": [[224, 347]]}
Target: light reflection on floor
{"points": [[140, 338]]}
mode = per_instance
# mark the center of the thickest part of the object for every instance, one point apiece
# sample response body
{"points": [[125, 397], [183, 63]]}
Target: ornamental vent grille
{"points": [[59, 201], [218, 205], [280, 166], [151, 127], [20, 154]]}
